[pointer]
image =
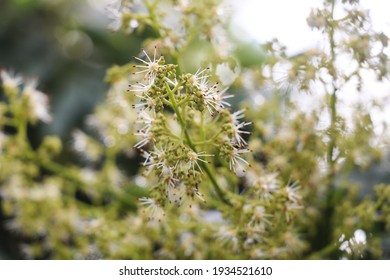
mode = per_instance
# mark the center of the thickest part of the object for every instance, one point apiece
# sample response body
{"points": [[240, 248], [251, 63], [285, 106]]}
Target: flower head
{"points": [[193, 159], [153, 208], [151, 66], [291, 193], [199, 79], [260, 217], [147, 137], [236, 161], [38, 101], [214, 99], [145, 119], [10, 80]]}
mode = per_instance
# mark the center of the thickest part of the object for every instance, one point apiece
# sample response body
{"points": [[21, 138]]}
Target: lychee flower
{"points": [[151, 66], [10, 81], [145, 119], [175, 193], [140, 87], [291, 193], [236, 161], [147, 137], [237, 127], [38, 101], [153, 208], [268, 184], [148, 103], [193, 159], [260, 217], [116, 16], [199, 80], [236, 116], [237, 133], [157, 158], [228, 236], [214, 99]]}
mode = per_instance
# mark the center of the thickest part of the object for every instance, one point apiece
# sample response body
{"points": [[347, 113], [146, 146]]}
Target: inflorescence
{"points": [[177, 148]]}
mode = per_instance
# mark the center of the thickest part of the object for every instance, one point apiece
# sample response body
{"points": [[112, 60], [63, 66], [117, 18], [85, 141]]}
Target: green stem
{"points": [[153, 17], [192, 146], [332, 102], [325, 230], [60, 170]]}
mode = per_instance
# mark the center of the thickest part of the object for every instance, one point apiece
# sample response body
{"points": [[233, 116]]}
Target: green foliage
{"points": [[212, 183]]}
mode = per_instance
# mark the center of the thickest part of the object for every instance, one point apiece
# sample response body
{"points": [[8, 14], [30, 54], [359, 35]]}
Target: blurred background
{"points": [[68, 46]]}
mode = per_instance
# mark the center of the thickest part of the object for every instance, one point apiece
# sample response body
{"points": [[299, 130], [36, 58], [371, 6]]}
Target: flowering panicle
{"points": [[178, 158], [37, 102]]}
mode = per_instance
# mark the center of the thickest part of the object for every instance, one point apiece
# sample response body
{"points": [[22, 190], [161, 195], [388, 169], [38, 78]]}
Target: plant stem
{"points": [[325, 226], [211, 176]]}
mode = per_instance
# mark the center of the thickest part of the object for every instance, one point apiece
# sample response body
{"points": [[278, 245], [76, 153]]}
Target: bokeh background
{"points": [[68, 46]]}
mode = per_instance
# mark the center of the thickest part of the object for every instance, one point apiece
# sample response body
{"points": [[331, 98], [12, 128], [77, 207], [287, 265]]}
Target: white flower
{"points": [[145, 119], [194, 192], [236, 161], [237, 133], [86, 146], [88, 175], [291, 192], [229, 236], [268, 184], [187, 242], [80, 141], [38, 101], [355, 244], [147, 137], [236, 116], [193, 159], [151, 66], [226, 75], [140, 87], [260, 217], [147, 103], [149, 160], [237, 126], [175, 193], [115, 12], [200, 80], [160, 155], [214, 99], [116, 16], [10, 80], [153, 208], [264, 185]]}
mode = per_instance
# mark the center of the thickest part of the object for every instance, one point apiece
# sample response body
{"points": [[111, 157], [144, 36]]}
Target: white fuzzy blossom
{"points": [[10, 80], [153, 209], [150, 66], [237, 163], [38, 101], [354, 245]]}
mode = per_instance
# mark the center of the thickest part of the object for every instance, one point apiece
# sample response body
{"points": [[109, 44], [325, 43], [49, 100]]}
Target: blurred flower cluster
{"points": [[170, 166]]}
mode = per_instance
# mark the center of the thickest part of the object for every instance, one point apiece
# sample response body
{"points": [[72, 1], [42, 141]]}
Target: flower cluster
{"points": [[36, 102], [177, 148]]}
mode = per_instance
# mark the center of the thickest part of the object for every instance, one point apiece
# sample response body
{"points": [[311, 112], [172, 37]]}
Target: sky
{"points": [[263, 20]]}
